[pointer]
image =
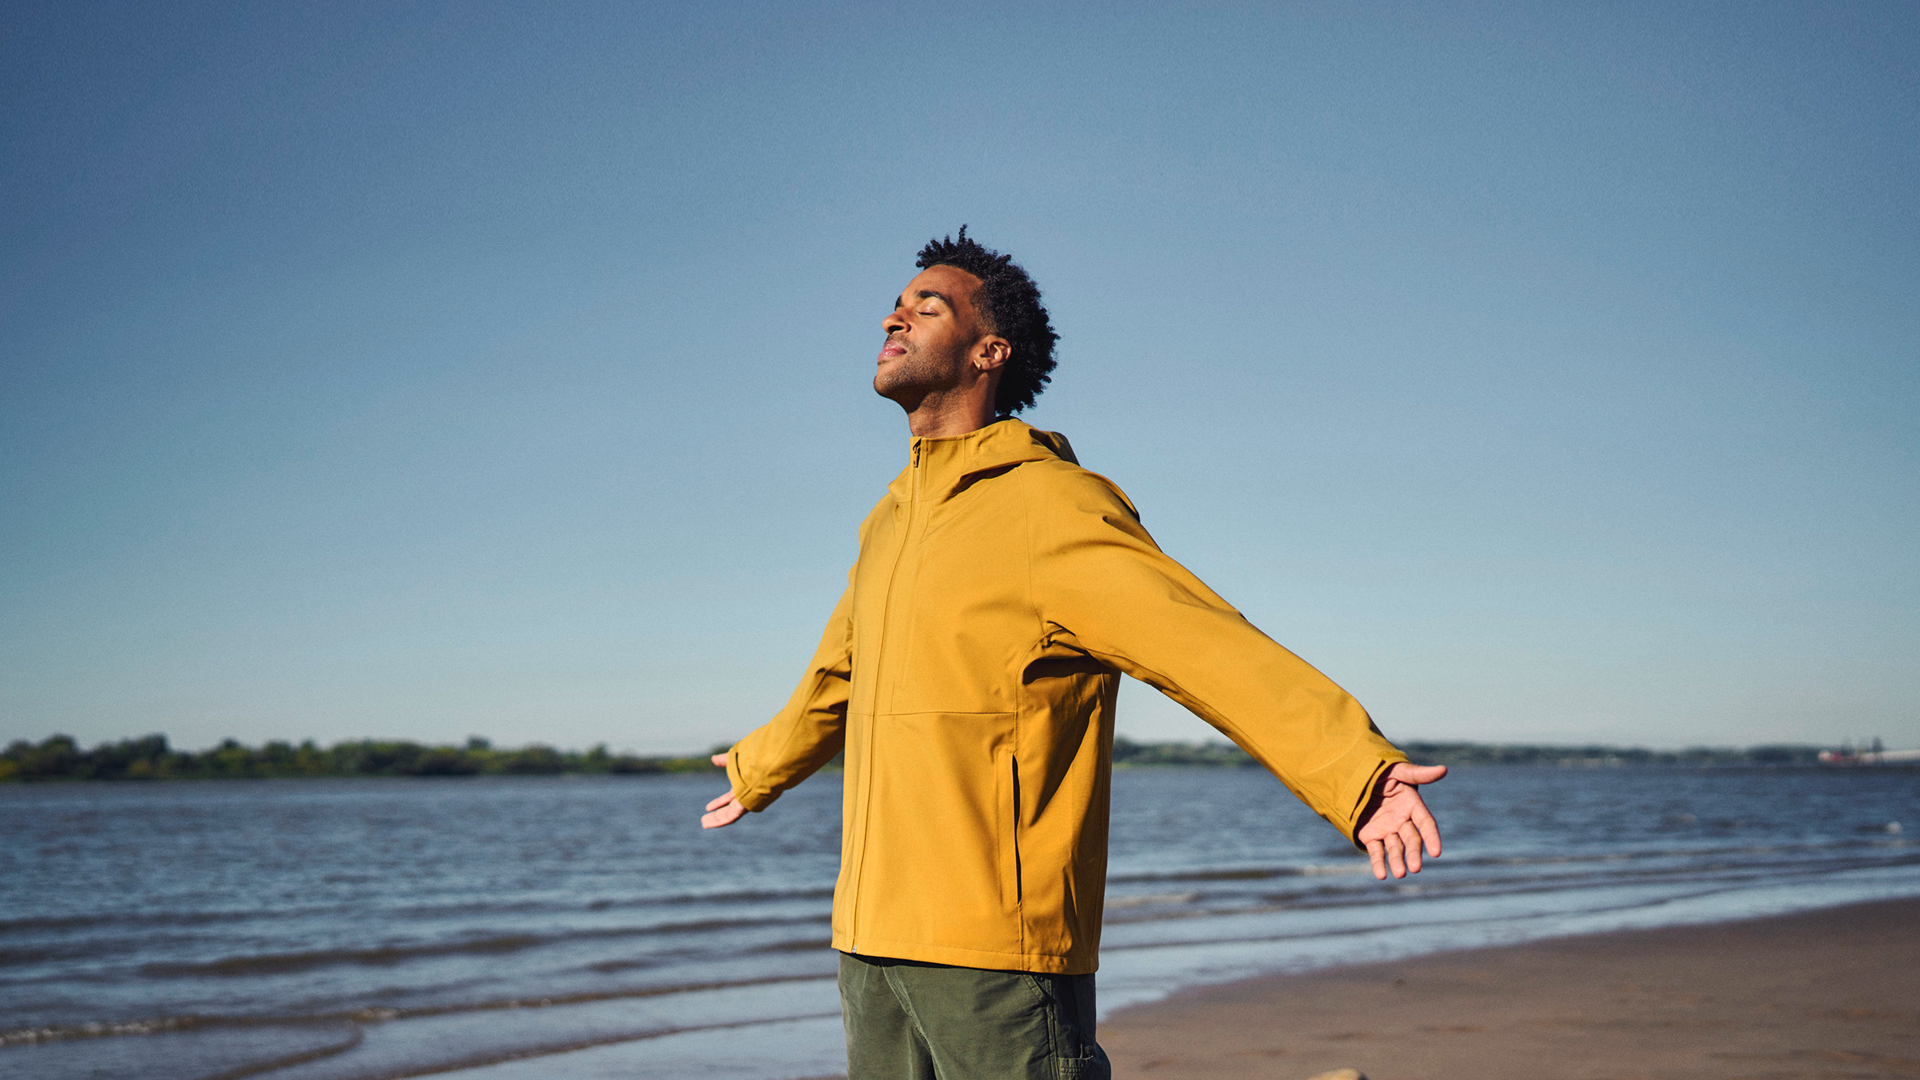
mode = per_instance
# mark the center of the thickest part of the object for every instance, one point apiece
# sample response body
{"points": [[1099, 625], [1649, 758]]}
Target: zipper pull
{"points": [[916, 455]]}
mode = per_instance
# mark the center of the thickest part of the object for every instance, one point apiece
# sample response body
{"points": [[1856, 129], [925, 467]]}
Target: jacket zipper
{"points": [[866, 782]]}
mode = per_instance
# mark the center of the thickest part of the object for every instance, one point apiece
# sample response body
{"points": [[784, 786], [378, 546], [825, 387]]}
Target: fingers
{"points": [[1396, 854], [725, 809], [1396, 833], [1408, 773], [722, 812], [1429, 829], [1410, 841]]}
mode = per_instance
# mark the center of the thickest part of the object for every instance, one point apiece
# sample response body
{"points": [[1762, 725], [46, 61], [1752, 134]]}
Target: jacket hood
{"points": [[947, 464]]}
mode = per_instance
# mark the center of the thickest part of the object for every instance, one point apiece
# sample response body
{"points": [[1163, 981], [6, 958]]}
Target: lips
{"points": [[892, 348]]}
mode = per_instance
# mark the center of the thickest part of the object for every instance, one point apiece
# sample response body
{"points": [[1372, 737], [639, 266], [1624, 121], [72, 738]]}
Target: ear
{"points": [[991, 352]]}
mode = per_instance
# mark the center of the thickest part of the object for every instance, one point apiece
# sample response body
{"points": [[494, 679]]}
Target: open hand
{"points": [[1396, 823], [725, 810]]}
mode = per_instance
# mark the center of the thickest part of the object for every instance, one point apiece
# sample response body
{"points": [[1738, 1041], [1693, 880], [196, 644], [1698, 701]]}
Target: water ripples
{"points": [[353, 930]]}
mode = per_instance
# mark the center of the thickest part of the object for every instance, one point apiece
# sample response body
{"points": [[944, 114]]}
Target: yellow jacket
{"points": [[970, 672]]}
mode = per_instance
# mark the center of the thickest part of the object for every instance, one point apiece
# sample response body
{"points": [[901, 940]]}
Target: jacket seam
{"points": [[1025, 478], [1352, 815], [951, 712]]}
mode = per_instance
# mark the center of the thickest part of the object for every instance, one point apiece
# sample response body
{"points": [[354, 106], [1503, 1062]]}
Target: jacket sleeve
{"points": [[810, 730], [1104, 587]]}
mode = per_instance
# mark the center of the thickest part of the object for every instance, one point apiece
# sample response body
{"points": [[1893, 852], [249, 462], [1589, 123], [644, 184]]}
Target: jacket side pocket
{"points": [[1009, 833]]}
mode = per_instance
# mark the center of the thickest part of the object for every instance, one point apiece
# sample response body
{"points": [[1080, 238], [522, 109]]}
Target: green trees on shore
{"points": [[1127, 752], [150, 758]]}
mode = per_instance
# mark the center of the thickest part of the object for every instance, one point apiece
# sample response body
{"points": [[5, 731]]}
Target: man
{"points": [[969, 673]]}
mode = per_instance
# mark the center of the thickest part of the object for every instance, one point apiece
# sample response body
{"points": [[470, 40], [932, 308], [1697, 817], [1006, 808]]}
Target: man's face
{"points": [[931, 334]]}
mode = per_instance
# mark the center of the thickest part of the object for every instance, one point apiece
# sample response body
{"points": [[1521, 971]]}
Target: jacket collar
{"points": [[942, 466]]}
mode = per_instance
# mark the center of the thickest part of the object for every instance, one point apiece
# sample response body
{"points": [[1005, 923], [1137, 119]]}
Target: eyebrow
{"points": [[926, 294]]}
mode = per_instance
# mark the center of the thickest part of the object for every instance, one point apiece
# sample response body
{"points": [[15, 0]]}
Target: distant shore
{"points": [[151, 758], [1833, 992], [60, 757]]}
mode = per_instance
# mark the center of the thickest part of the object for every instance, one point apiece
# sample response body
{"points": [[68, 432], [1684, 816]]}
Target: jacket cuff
{"points": [[1374, 780], [754, 799], [1351, 779]]}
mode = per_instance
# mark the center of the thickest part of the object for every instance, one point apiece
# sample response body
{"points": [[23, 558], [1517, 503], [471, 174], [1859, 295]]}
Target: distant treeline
{"points": [[1128, 752], [150, 758]]}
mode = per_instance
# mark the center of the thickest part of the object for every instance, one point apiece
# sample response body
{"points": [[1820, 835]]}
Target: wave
{"points": [[538, 1050], [738, 896], [1234, 873], [144, 918], [102, 1029], [149, 918], [1259, 873], [1561, 870], [377, 1014], [1548, 870], [1471, 920], [1714, 878], [354, 1036], [389, 955]]}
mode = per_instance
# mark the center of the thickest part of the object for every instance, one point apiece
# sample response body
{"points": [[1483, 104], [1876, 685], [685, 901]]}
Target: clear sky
{"points": [[1540, 372]]}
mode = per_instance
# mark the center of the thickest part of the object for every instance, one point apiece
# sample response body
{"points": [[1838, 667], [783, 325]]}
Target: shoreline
{"points": [[1821, 993]]}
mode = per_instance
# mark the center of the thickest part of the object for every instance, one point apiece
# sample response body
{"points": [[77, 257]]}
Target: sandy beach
{"points": [[1830, 993]]}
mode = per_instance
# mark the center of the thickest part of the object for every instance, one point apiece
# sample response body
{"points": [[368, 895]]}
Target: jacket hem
{"points": [[953, 956]]}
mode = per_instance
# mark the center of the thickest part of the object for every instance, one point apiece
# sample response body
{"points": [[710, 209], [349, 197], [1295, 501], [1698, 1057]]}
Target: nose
{"points": [[893, 323]]}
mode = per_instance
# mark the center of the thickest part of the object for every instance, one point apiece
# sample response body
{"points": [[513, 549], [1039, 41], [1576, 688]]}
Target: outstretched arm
{"points": [[1106, 590], [1396, 823], [801, 737]]}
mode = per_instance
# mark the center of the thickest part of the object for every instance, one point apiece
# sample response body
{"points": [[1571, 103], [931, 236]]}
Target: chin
{"points": [[887, 380]]}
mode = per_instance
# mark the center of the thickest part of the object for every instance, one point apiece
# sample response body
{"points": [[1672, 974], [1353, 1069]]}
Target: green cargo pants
{"points": [[908, 1020]]}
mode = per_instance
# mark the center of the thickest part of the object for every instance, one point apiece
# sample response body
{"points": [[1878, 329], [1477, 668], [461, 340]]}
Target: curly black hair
{"points": [[1011, 302]]}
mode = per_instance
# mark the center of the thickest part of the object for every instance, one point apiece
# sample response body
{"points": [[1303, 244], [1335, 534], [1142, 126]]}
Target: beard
{"points": [[917, 372]]}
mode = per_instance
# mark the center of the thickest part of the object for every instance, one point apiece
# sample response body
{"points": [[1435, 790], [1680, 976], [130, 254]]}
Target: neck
{"points": [[938, 416]]}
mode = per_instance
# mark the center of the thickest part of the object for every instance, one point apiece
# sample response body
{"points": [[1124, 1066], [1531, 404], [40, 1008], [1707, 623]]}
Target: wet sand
{"points": [[1830, 994]]}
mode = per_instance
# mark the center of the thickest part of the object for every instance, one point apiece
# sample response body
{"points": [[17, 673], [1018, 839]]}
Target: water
{"points": [[583, 927]]}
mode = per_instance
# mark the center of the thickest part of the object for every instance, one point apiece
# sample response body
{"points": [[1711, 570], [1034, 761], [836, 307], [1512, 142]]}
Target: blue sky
{"points": [[432, 370]]}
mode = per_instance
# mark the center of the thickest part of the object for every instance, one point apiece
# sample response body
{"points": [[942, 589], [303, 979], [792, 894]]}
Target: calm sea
{"points": [[574, 927]]}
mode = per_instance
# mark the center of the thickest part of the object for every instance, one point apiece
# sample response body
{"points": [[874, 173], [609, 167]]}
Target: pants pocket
{"points": [[1075, 1055]]}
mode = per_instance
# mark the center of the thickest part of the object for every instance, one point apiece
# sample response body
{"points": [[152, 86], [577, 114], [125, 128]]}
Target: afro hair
{"points": [[1011, 301]]}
